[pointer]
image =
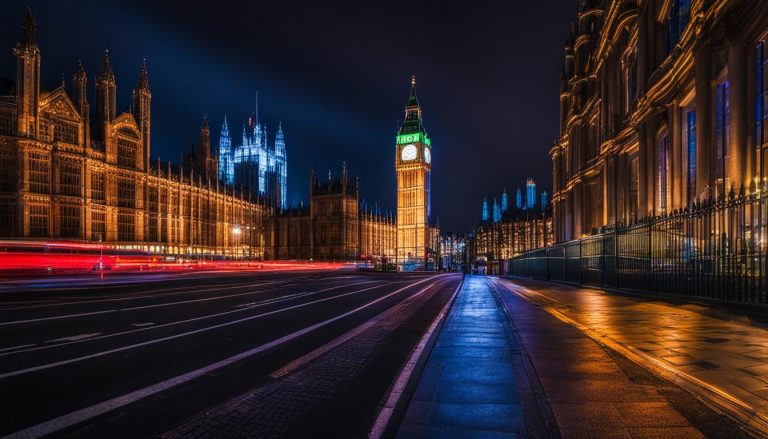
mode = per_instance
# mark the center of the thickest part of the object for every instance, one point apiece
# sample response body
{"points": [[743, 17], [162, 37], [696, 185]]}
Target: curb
{"points": [[547, 425], [394, 403], [755, 422]]}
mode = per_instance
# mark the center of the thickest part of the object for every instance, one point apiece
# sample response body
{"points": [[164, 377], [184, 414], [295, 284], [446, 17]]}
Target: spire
{"points": [[280, 141], [205, 139], [79, 87], [504, 202], [413, 101], [28, 29], [143, 76], [106, 68], [80, 72], [485, 209]]}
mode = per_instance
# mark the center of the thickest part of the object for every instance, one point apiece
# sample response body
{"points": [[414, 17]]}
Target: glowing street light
{"points": [[236, 231]]}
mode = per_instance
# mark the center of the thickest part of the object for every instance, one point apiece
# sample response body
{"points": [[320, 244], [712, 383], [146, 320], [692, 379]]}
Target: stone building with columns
{"points": [[662, 103], [62, 178]]}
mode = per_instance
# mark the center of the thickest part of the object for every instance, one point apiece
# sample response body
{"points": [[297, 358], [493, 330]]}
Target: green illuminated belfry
{"points": [[412, 130]]}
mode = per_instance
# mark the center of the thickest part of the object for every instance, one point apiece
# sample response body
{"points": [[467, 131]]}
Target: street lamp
{"points": [[236, 231]]}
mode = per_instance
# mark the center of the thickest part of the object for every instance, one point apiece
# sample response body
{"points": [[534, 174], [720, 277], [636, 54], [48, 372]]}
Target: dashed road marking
{"points": [[16, 347], [75, 337], [92, 411]]}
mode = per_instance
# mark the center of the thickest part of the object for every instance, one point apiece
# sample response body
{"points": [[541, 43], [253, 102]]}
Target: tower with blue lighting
{"points": [[254, 163], [530, 194]]}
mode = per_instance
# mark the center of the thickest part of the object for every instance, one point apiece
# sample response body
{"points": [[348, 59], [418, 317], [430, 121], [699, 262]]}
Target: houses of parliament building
{"points": [[67, 174]]}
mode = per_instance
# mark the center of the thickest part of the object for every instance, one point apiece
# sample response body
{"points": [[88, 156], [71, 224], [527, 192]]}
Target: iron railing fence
{"points": [[715, 250]]}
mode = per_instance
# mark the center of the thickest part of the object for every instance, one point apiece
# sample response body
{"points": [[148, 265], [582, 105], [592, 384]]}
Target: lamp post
{"points": [[236, 231]]}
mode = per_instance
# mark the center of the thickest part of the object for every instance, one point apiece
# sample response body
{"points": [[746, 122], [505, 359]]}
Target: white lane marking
{"points": [[322, 350], [132, 308], [86, 413], [193, 319], [175, 336], [140, 325], [147, 295], [75, 337], [16, 347], [382, 419]]}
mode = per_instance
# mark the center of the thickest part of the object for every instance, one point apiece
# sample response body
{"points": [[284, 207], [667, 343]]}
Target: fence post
{"points": [[616, 255], [581, 263]]}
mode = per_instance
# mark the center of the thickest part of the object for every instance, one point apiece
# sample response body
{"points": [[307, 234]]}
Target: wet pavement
{"points": [[508, 368], [718, 357], [468, 387]]}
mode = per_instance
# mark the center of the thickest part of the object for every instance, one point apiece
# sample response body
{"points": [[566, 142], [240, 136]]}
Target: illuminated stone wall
{"points": [[662, 104], [59, 182]]}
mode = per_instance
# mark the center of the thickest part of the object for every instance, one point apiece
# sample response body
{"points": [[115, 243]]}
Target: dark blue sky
{"points": [[337, 76]]}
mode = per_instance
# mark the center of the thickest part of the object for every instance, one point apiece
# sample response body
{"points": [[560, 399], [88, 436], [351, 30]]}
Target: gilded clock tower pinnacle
{"points": [[413, 165]]}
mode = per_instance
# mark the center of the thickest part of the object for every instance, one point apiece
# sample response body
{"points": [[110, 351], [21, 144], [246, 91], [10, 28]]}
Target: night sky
{"points": [[337, 76]]}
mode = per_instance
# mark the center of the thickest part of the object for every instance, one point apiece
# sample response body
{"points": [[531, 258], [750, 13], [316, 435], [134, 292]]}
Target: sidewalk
{"points": [[723, 360], [532, 376], [468, 387]]}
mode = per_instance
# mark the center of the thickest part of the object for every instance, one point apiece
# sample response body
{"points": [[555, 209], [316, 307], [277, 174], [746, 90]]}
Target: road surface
{"points": [[150, 357]]}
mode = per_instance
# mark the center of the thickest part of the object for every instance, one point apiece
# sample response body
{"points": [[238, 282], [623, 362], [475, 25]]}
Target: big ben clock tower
{"points": [[413, 164]]}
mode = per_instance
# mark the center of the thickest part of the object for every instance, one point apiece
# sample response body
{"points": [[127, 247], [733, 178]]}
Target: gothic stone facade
{"points": [[662, 103], [61, 180], [335, 226]]}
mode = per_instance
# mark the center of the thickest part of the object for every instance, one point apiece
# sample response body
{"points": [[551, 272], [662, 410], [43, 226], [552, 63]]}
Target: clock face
{"points": [[408, 152], [427, 155]]}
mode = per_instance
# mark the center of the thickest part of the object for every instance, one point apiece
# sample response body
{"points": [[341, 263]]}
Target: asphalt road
{"points": [[142, 358]]}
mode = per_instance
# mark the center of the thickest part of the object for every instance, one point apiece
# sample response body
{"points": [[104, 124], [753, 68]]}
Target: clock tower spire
{"points": [[413, 165]]}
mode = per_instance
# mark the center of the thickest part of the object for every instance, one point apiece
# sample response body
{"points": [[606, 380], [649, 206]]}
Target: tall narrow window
{"points": [[663, 172], [722, 128], [761, 98], [634, 188], [677, 20], [690, 135]]}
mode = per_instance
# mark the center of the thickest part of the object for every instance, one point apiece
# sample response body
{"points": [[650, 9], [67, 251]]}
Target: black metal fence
{"points": [[715, 250]]}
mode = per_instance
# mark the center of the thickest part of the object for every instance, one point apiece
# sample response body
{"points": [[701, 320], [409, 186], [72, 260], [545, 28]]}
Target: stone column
{"points": [[651, 161], [703, 121], [675, 141], [738, 174], [642, 171], [577, 210]]}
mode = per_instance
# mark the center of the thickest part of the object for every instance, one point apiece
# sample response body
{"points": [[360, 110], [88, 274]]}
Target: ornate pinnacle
{"points": [[106, 68], [80, 72], [28, 28], [143, 76]]}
